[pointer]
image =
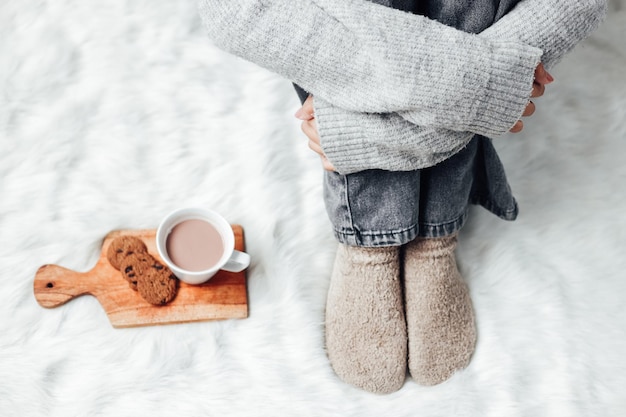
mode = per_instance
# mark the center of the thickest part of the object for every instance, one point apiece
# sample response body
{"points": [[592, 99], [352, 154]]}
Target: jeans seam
{"points": [[349, 209], [370, 239], [448, 228]]}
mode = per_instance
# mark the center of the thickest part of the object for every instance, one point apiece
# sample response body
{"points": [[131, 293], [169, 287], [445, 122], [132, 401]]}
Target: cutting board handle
{"points": [[55, 285]]}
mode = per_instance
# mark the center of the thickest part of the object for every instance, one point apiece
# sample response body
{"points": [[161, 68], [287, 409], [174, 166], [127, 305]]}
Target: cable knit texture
{"points": [[365, 327], [423, 87], [439, 313]]}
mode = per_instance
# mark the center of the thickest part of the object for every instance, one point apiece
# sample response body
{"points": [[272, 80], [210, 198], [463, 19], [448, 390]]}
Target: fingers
{"points": [[327, 165], [309, 128], [306, 112], [542, 78], [538, 90], [517, 127], [318, 149], [530, 109]]}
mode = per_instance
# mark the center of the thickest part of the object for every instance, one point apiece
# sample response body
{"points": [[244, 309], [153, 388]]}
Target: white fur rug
{"points": [[113, 113]]}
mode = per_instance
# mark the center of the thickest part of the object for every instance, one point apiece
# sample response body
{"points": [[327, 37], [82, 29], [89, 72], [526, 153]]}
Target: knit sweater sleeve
{"points": [[365, 57], [554, 26], [354, 142]]}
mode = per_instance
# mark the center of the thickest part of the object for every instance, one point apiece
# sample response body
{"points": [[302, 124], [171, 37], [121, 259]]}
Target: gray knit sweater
{"points": [[395, 90]]}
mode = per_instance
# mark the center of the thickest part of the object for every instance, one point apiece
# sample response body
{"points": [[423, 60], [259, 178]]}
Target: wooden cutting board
{"points": [[223, 297]]}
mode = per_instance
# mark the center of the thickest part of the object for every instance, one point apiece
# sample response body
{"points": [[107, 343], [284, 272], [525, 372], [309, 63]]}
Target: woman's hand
{"points": [[542, 78], [309, 127]]}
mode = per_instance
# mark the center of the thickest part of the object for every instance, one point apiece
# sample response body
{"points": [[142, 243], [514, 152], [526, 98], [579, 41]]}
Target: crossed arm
{"points": [[337, 51], [556, 32], [309, 125], [367, 58]]}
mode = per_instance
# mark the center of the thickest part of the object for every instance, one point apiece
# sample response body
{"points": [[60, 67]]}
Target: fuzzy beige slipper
{"points": [[365, 327], [439, 313]]}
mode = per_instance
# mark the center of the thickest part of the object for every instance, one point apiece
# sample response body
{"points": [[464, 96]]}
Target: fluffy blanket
{"points": [[113, 113]]}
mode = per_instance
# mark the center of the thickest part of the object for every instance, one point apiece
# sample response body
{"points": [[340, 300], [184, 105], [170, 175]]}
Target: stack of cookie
{"points": [[154, 281]]}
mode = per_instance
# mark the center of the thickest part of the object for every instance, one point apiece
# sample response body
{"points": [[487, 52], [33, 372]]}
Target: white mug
{"points": [[231, 260]]}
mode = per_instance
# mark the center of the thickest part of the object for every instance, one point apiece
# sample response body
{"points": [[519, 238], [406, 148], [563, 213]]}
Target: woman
{"points": [[404, 103]]}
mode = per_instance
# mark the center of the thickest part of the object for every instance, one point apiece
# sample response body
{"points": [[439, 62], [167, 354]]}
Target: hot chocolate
{"points": [[194, 245]]}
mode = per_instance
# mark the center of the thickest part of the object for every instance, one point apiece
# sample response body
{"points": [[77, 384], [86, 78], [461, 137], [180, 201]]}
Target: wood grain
{"points": [[223, 297]]}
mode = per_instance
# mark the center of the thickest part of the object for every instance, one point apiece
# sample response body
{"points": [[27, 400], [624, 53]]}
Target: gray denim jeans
{"points": [[385, 208]]}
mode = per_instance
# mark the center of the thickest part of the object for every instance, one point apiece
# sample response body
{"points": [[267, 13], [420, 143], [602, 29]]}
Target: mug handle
{"points": [[238, 262]]}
